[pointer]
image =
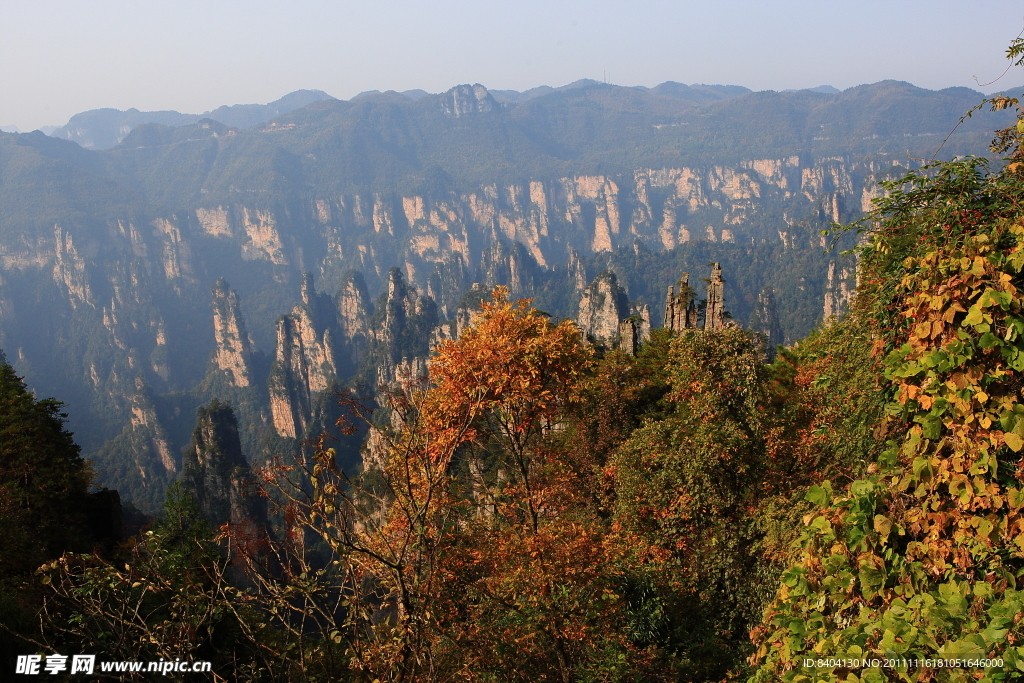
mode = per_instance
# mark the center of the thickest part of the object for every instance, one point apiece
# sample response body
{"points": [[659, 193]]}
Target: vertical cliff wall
{"points": [[232, 346], [126, 292]]}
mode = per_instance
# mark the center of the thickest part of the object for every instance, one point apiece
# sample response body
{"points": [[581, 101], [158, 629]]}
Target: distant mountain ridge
{"points": [[825, 89], [697, 92], [106, 128]]}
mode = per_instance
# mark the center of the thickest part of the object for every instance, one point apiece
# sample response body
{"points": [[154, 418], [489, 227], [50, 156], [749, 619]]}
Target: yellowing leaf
{"points": [[1013, 441], [975, 316], [978, 267], [883, 525]]}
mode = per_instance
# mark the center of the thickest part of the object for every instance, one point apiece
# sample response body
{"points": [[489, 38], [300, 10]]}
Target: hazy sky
{"points": [[60, 57]]}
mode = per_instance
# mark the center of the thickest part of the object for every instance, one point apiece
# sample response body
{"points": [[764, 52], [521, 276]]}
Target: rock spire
{"points": [[681, 311], [607, 318], [215, 472], [602, 307], [765, 319], [304, 361], [681, 306], [233, 348], [715, 315]]}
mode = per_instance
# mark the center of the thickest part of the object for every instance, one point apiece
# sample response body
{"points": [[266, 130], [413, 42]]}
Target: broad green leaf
{"points": [[817, 495]]}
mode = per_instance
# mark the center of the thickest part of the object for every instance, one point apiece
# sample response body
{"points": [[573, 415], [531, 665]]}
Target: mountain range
{"points": [[266, 254]]}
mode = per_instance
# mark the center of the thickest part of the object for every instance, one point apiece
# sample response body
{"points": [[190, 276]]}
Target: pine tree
{"points": [[43, 480]]}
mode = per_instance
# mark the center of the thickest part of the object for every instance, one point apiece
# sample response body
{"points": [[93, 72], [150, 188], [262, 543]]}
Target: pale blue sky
{"points": [[60, 57]]}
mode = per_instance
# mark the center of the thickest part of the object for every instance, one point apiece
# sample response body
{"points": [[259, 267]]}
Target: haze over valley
{"points": [[151, 261]]}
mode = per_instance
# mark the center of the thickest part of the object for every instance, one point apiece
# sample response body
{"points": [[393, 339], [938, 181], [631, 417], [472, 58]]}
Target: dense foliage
{"points": [[43, 479], [920, 558], [44, 503]]}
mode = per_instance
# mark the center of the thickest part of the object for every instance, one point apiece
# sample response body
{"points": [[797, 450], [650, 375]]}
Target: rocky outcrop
{"points": [[642, 317], [629, 337], [603, 306], [295, 377], [839, 289], [402, 328], [128, 285], [290, 406], [147, 429], [142, 450], [263, 240], [304, 360], [354, 308], [216, 473], [233, 348], [681, 306], [577, 274], [466, 100], [69, 268], [453, 232], [326, 340], [469, 305], [408, 372], [607, 318], [175, 252], [715, 315], [510, 265], [765, 320], [447, 283], [596, 196]]}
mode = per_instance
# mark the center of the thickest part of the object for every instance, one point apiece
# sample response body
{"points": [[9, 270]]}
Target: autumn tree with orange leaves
{"points": [[471, 546], [538, 577]]}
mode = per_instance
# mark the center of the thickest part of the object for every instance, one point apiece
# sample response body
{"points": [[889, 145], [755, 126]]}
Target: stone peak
{"points": [[465, 100]]}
